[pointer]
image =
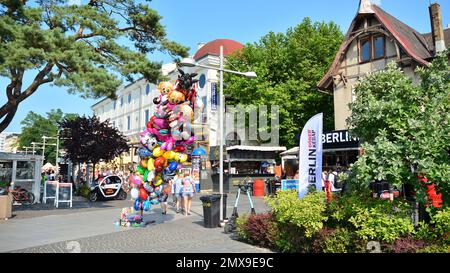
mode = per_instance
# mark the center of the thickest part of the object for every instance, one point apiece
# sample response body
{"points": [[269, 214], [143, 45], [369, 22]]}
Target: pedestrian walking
{"points": [[188, 193], [178, 191]]}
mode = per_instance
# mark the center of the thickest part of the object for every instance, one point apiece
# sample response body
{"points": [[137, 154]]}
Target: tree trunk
{"points": [[8, 117]]}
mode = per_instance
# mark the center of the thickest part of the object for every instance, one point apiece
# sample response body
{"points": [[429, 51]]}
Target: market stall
{"points": [[22, 169], [255, 162]]}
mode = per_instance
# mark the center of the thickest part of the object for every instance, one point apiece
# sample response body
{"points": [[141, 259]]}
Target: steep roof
{"points": [[213, 48], [417, 46]]}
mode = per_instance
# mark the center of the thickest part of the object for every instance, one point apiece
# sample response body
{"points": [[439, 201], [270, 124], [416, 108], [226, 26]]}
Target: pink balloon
{"points": [[136, 180]]}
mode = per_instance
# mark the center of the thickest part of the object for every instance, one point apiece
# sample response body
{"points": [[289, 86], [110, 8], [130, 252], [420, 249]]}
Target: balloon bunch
{"points": [[165, 142]]}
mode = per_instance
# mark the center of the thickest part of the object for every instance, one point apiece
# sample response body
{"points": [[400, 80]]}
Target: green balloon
{"points": [[146, 175], [141, 170]]}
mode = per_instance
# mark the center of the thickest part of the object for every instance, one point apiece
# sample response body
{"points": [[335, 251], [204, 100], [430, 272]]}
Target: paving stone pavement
{"points": [[171, 233]]}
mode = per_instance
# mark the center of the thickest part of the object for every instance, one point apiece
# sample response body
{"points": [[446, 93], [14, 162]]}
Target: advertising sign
{"points": [[310, 155]]}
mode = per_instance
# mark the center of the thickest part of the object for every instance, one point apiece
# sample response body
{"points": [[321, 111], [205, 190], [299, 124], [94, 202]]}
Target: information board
{"points": [[50, 189], [64, 193]]}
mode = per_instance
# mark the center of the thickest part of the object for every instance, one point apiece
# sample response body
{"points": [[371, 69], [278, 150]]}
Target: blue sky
{"points": [[194, 21]]}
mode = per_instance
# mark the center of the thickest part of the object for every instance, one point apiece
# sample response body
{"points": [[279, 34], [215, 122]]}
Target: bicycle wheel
{"points": [[30, 198]]}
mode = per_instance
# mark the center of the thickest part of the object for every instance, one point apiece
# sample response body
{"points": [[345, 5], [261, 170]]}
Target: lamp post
{"points": [[188, 62]]}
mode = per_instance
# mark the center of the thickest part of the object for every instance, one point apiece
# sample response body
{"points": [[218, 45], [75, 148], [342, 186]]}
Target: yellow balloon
{"points": [[158, 181], [157, 152], [166, 155], [150, 164], [181, 158]]}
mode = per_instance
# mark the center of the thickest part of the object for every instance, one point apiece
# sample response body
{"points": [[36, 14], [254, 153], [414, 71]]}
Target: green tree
{"points": [[289, 66], [405, 127], [81, 47], [34, 126]]}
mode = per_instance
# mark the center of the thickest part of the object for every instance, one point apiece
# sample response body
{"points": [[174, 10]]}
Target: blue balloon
{"points": [[137, 204], [173, 166], [154, 201], [144, 153], [146, 205]]}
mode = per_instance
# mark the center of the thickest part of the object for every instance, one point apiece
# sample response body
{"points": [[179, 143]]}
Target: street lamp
{"points": [[57, 149], [188, 62]]}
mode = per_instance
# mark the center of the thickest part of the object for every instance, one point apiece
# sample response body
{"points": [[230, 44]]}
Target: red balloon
{"points": [[143, 194], [159, 164], [180, 149]]}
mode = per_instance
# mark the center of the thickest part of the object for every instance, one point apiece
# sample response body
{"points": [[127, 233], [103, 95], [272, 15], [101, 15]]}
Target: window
{"points": [[147, 89], [372, 48], [129, 98], [147, 116], [114, 124], [128, 123], [378, 47], [365, 50], [121, 101], [115, 102]]}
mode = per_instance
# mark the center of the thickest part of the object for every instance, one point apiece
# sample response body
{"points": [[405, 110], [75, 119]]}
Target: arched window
{"points": [[147, 89]]}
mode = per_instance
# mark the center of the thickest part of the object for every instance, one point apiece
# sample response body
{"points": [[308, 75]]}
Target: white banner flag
{"points": [[310, 158]]}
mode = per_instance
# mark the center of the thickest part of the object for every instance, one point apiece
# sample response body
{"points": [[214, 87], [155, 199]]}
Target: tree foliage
{"points": [[405, 127], [289, 66], [82, 47], [90, 140], [34, 126]]}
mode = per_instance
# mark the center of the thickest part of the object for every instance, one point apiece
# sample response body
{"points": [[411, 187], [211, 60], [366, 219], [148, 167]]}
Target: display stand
{"points": [[50, 190], [63, 187]]}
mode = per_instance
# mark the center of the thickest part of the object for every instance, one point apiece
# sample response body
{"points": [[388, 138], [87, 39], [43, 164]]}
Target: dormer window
{"points": [[372, 48]]}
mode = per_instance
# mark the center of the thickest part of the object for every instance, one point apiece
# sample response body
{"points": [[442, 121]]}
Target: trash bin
{"points": [[211, 210]]}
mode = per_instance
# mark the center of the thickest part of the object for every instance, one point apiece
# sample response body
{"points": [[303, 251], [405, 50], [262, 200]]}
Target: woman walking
{"points": [[188, 193], [178, 192]]}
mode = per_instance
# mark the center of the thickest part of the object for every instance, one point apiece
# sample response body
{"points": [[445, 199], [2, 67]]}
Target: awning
{"points": [[257, 148]]}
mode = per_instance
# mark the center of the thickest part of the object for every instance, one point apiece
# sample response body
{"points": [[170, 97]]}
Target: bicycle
{"points": [[21, 195]]}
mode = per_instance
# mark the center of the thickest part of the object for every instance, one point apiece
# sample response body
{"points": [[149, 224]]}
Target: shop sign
{"points": [[214, 97], [339, 140]]}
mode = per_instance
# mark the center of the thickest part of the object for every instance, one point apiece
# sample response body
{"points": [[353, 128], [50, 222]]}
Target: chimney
{"points": [[437, 29]]}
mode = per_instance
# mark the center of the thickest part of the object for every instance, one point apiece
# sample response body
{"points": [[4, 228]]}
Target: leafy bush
{"points": [[424, 232], [406, 244], [371, 219], [441, 222], [376, 224], [291, 239], [308, 213], [261, 230], [335, 241], [241, 230], [444, 248]]}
